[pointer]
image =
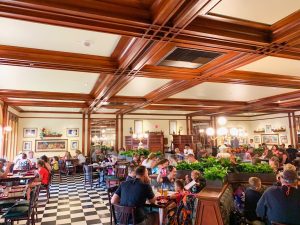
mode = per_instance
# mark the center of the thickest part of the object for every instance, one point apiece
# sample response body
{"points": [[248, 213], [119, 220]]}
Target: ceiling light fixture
{"points": [[87, 43], [222, 121]]}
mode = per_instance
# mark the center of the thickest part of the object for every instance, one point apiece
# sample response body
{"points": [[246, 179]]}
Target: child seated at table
{"points": [[55, 164], [131, 173], [196, 183], [180, 192]]}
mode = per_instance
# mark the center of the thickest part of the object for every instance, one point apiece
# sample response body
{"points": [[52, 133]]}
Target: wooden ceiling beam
{"points": [[179, 108], [46, 104], [29, 57], [6, 93]]}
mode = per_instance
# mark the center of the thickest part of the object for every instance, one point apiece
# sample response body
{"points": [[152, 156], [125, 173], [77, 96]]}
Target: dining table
{"points": [[163, 204], [13, 192], [27, 176]]}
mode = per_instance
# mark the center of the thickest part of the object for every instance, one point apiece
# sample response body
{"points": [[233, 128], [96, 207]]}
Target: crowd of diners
{"points": [[149, 175]]}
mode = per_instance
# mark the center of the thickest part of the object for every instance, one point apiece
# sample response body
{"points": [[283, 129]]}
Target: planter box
{"points": [[180, 174], [268, 178], [52, 135], [215, 184]]}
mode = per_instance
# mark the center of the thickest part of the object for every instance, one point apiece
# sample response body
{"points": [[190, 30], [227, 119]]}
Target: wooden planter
{"points": [[268, 178], [180, 174], [52, 135], [215, 184]]}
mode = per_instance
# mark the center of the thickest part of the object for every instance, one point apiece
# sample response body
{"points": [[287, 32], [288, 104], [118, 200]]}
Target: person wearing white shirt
{"points": [[251, 144], [31, 158], [80, 157], [187, 150]]}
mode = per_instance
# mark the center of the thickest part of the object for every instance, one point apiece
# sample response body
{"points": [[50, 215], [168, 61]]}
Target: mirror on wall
{"points": [[103, 132]]}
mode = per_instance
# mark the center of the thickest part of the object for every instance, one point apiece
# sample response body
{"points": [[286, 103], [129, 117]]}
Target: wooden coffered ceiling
{"points": [[103, 56]]}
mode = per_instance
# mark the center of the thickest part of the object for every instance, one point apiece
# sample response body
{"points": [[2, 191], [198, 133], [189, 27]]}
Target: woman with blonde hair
{"points": [[80, 157], [150, 162]]}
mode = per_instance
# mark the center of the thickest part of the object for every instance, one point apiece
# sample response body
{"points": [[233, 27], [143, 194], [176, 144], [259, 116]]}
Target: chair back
{"points": [[88, 171], [123, 215], [33, 199], [110, 193], [121, 171], [69, 163]]}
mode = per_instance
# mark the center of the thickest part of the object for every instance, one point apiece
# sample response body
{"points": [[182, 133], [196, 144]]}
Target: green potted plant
{"points": [[185, 168], [215, 176]]}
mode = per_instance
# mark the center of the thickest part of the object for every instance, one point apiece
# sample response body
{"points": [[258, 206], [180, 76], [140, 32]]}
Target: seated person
{"points": [[196, 178], [3, 173], [252, 196], [135, 193], [46, 163], [281, 203], [55, 164], [173, 160], [150, 161], [160, 167], [135, 160], [179, 154], [32, 159], [180, 192], [223, 154], [67, 156], [18, 157], [80, 157], [131, 173], [187, 150], [44, 175], [23, 164], [167, 181], [191, 158]]}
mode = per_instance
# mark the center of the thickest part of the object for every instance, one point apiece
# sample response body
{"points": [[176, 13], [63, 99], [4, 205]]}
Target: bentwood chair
{"points": [[121, 174], [123, 215], [89, 175], [22, 211], [110, 193]]}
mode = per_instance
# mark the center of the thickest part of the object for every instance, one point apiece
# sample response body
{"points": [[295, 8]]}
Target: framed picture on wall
{"points": [[283, 139], [256, 139], [27, 145], [172, 126], [29, 132], [268, 129], [54, 145], [138, 126], [74, 145], [270, 139], [72, 132]]}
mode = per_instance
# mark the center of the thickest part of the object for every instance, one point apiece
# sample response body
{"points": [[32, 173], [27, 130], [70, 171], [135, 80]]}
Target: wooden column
{"points": [[117, 132], [191, 125], [215, 128], [295, 129], [89, 136], [187, 125], [291, 129], [121, 128], [4, 124], [83, 134]]}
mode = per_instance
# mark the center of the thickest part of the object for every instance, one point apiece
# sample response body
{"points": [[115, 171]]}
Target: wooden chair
{"points": [[47, 187], [121, 174], [22, 211], [123, 215], [110, 193], [70, 167]]}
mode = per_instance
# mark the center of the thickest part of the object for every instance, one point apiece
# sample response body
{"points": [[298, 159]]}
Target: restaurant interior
{"points": [[195, 101]]}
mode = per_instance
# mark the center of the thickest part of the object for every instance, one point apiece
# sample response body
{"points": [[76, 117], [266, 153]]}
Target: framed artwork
{"points": [[283, 139], [29, 132], [51, 145], [268, 129], [27, 145], [138, 126], [72, 132], [74, 145], [256, 139], [172, 126], [270, 139]]}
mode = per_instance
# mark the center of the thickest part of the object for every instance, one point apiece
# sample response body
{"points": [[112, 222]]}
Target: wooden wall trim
{"points": [[295, 129], [117, 132], [4, 124], [291, 130], [122, 133]]}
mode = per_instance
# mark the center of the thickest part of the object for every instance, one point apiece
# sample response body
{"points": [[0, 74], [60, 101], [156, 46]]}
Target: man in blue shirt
{"points": [[135, 193], [281, 204]]}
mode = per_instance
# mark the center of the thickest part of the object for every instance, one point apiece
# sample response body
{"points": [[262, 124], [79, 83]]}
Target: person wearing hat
{"points": [[281, 204]]}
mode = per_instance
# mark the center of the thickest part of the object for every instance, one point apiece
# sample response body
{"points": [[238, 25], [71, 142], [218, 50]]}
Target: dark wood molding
{"points": [[117, 133], [89, 138], [83, 134], [46, 104], [291, 130], [122, 132]]}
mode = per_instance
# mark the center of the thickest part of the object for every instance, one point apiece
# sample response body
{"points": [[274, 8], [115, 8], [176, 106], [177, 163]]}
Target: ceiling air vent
{"points": [[188, 58]]}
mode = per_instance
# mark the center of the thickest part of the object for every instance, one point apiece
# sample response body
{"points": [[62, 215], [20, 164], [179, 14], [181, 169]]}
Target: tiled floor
{"points": [[73, 203]]}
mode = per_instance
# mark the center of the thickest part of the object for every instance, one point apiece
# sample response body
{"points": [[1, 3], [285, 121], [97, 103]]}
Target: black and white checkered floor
{"points": [[73, 203]]}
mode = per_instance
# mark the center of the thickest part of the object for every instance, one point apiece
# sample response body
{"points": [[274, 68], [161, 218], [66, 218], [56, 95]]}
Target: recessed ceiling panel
{"points": [[229, 92], [36, 79], [262, 11], [49, 109], [274, 65], [188, 58], [42, 36], [140, 86], [104, 110], [162, 112]]}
